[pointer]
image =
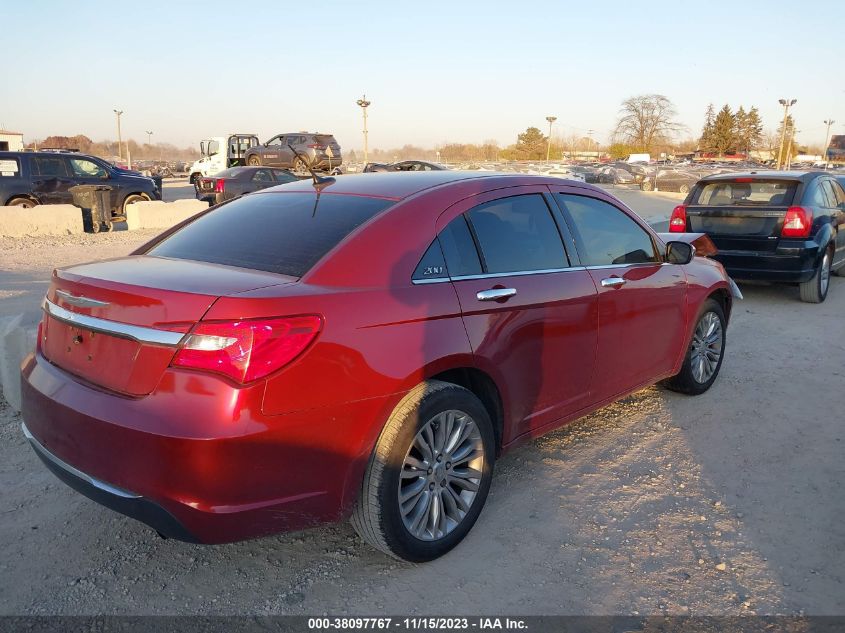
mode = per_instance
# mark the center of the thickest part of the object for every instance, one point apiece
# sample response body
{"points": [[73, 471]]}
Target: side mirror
{"points": [[679, 252]]}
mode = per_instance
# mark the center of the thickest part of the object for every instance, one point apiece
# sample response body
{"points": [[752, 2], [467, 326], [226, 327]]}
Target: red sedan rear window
{"points": [[278, 233]]}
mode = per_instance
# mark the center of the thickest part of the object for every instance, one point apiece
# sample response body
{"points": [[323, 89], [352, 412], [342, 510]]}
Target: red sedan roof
{"points": [[398, 185]]}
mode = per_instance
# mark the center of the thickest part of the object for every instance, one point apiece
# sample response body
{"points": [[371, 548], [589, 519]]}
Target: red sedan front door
{"points": [[642, 300]]}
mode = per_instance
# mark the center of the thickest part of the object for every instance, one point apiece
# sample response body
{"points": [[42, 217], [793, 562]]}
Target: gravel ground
{"points": [[726, 504]]}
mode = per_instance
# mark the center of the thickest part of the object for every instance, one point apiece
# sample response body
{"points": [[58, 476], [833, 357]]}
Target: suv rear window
{"points": [[278, 233], [726, 193]]}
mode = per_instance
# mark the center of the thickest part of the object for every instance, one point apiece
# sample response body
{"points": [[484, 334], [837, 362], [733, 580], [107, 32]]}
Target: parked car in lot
{"points": [[669, 180], [31, 178], [782, 226], [365, 348], [614, 176], [317, 151], [404, 165], [236, 181]]}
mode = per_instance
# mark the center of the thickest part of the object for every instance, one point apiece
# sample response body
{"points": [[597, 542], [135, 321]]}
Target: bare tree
{"points": [[646, 120]]}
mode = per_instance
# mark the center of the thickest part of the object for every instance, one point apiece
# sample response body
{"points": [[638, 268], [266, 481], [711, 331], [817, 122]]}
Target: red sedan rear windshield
{"points": [[285, 233], [746, 192]]}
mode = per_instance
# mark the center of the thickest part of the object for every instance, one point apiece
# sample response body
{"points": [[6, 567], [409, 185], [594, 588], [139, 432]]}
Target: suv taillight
{"points": [[220, 185], [678, 221], [246, 350], [797, 222]]}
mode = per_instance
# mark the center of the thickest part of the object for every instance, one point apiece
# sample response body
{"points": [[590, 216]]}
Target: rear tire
{"points": [[415, 504], [300, 166], [815, 290], [24, 203], [705, 354]]}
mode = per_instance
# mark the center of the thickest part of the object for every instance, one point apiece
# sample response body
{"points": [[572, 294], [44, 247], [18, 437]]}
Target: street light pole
{"points": [[828, 123], [364, 104], [119, 139], [788, 159], [590, 137], [149, 137], [550, 119], [786, 103]]}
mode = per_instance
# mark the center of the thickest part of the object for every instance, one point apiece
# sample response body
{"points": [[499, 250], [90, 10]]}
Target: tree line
{"points": [[109, 150]]}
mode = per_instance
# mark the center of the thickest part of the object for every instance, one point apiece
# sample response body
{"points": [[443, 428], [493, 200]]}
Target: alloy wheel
{"points": [[706, 347], [441, 475], [824, 274]]}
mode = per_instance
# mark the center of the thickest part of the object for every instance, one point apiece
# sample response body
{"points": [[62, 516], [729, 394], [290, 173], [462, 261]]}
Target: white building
{"points": [[11, 141]]}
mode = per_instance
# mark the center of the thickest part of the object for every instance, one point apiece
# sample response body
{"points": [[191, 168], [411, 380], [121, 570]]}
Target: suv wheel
{"points": [[815, 290], [254, 161], [299, 165], [26, 203], [429, 474], [704, 356], [135, 197]]}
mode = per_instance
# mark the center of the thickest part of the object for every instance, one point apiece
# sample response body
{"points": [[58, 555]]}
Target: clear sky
{"points": [[434, 71]]}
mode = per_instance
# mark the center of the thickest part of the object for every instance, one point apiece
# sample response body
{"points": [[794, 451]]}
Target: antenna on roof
{"points": [[320, 182]]}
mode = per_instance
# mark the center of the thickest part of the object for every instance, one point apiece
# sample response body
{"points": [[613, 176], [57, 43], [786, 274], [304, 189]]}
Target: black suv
{"points": [[30, 178], [318, 151], [781, 226]]}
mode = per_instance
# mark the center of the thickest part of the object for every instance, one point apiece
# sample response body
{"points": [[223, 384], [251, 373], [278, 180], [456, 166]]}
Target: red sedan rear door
{"points": [[642, 300], [530, 316]]}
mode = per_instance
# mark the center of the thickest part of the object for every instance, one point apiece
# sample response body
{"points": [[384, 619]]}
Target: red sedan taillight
{"points": [[220, 185], [246, 350], [797, 222], [678, 221]]}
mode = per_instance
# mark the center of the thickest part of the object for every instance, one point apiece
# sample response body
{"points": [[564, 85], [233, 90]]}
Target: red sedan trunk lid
{"points": [[117, 323]]}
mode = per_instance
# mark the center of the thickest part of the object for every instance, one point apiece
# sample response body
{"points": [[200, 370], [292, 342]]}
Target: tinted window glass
{"points": [[459, 249], [838, 192], [816, 196], [49, 166], [230, 173], [279, 233], [721, 193], [262, 175], [829, 193], [432, 265], [516, 234], [284, 176], [605, 234]]}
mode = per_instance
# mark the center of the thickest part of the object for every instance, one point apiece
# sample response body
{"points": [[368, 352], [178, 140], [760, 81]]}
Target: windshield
{"points": [[725, 193]]}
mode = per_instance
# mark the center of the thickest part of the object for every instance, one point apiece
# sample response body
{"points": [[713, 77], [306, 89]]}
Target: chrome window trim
{"points": [[136, 333], [440, 280], [97, 483]]}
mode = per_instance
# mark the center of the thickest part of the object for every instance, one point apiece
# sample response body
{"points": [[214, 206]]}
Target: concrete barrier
{"points": [[48, 219], [161, 215], [15, 343]]}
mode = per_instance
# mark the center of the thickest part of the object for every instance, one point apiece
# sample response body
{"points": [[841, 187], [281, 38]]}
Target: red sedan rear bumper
{"points": [[207, 466]]}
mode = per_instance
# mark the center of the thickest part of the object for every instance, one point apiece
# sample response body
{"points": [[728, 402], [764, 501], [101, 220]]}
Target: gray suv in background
{"points": [[318, 151]]}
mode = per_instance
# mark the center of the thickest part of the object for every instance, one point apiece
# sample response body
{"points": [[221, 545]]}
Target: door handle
{"points": [[613, 282], [495, 294]]}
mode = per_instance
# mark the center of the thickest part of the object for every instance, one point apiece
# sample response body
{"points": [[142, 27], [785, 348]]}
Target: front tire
{"points": [[254, 161], [130, 199], [705, 354], [24, 203], [815, 290], [429, 474]]}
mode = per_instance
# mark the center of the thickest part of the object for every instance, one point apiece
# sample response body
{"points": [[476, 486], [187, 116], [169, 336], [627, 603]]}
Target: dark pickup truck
{"points": [[780, 226]]}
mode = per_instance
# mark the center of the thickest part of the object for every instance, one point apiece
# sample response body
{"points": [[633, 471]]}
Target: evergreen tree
{"points": [[705, 144], [740, 143], [724, 129], [753, 129]]}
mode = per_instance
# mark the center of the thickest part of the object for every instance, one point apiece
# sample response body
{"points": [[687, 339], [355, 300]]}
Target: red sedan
{"points": [[364, 348]]}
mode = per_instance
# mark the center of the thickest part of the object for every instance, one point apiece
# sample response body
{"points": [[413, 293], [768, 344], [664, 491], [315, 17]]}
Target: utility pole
{"points": [[828, 123], [119, 139], [364, 104], [786, 103], [550, 119], [590, 136]]}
